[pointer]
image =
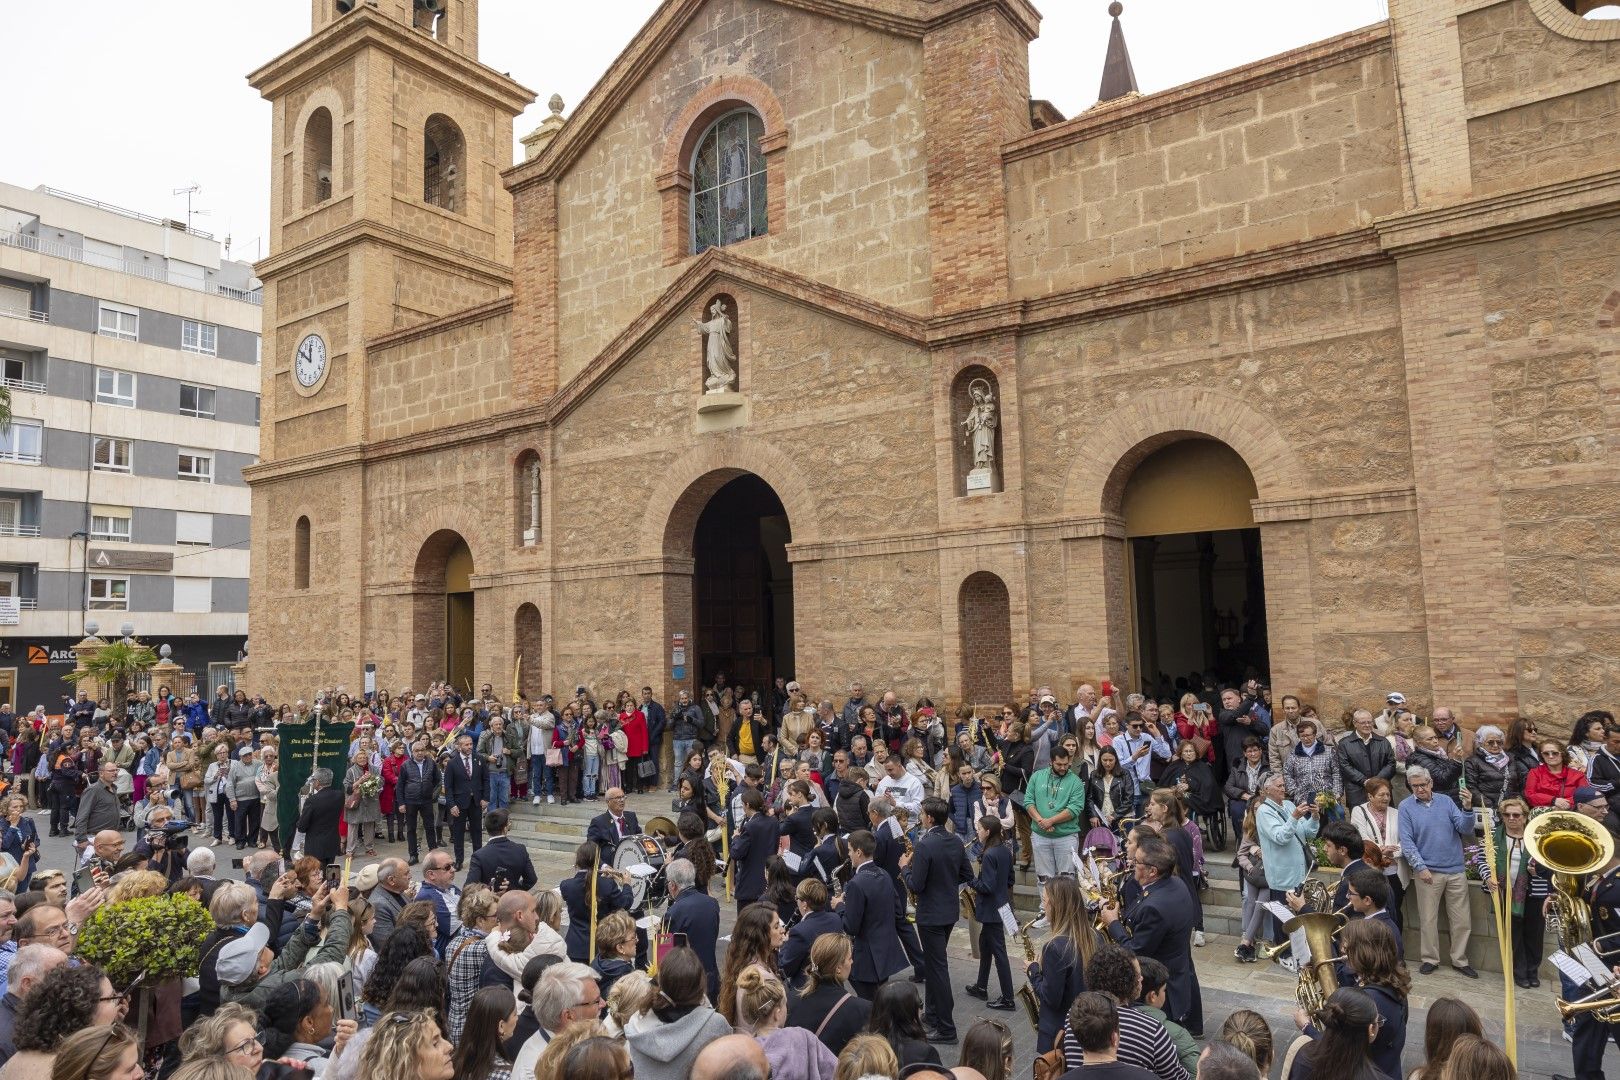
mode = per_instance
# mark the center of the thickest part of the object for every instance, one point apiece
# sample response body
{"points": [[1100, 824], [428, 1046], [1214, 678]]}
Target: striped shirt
{"points": [[1143, 1042]]}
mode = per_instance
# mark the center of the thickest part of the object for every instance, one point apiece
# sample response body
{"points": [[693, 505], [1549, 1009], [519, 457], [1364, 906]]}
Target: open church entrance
{"points": [[743, 587], [1196, 572]]}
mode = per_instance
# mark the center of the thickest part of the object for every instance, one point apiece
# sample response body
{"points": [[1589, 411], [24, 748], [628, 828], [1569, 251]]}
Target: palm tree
{"points": [[116, 665], [5, 409]]}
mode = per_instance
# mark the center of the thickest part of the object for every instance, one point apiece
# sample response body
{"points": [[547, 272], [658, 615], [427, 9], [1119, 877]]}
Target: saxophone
{"points": [[1026, 993]]}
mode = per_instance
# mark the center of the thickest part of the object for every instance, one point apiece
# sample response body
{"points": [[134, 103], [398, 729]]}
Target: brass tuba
{"points": [[1571, 845], [1317, 980]]}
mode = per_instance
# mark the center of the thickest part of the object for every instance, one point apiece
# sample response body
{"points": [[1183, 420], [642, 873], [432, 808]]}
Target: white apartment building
{"points": [[131, 352]]}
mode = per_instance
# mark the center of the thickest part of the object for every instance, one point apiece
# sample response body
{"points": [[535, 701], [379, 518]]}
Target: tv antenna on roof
{"points": [[188, 192]]}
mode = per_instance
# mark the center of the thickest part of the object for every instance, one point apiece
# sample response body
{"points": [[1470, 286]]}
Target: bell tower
{"points": [[387, 208], [387, 143]]}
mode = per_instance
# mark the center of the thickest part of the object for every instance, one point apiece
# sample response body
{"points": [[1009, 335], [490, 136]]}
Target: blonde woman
{"points": [[632, 995], [269, 785], [407, 1044], [867, 1055], [794, 1053]]}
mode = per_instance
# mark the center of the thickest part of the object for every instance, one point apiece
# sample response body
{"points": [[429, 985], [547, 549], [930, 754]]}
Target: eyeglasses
{"points": [[597, 1004], [246, 1046], [1511, 814]]}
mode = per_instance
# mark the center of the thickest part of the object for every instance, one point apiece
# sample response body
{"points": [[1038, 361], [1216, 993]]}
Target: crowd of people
{"points": [[852, 837]]}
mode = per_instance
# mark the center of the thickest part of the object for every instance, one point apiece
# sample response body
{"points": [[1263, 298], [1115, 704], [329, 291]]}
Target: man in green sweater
{"points": [[1055, 798]]}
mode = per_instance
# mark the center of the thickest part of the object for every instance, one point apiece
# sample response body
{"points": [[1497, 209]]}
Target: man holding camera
{"points": [[164, 845]]}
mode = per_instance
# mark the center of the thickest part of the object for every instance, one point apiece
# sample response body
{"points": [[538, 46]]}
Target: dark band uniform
{"points": [[869, 920], [576, 894], [1591, 1037], [1161, 927]]}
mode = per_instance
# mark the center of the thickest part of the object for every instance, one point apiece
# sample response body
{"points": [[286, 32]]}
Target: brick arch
{"points": [[688, 484], [426, 535], [1609, 311], [1096, 480], [707, 105], [985, 637]]}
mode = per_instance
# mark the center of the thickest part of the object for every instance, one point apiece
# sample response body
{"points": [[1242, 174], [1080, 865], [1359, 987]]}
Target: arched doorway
{"points": [[984, 625], [443, 612], [742, 583], [1196, 572], [526, 649]]}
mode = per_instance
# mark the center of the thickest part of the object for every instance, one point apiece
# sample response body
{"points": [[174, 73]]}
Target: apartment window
{"points": [[115, 388], [197, 401], [199, 337], [109, 455], [197, 466], [193, 528], [110, 523], [119, 322], [193, 594], [21, 442], [10, 517], [109, 594]]}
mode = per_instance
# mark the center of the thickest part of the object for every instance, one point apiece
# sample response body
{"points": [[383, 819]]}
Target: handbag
{"points": [[554, 757], [1050, 1065], [647, 769]]}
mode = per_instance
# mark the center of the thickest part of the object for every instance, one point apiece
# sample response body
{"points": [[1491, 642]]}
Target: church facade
{"points": [[809, 345]]}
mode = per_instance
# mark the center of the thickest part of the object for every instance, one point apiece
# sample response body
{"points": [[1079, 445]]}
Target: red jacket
{"points": [[1541, 787], [634, 724], [1187, 728]]}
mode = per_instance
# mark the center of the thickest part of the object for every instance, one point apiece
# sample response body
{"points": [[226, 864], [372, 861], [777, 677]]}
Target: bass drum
{"points": [[642, 858]]}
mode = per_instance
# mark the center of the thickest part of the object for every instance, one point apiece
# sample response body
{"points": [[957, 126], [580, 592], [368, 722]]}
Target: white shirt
{"points": [[906, 791], [533, 1047]]}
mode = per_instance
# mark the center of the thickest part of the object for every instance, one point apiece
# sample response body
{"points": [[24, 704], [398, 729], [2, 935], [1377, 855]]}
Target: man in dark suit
{"points": [[656, 720], [695, 914], [936, 871], [418, 791], [754, 843], [576, 895], [466, 782], [503, 863], [606, 830], [1161, 927], [867, 906], [318, 820], [814, 920], [890, 841]]}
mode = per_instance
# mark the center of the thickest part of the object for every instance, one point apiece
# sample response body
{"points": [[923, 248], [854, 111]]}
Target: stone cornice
{"points": [[365, 27], [1126, 112], [712, 267], [1335, 504], [903, 18], [1498, 217], [464, 317], [336, 242], [1016, 536]]}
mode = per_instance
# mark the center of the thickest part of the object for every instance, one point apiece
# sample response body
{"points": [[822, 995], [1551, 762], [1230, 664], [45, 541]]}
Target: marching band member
{"points": [[870, 919], [1161, 927], [992, 886], [935, 872], [1060, 974], [576, 894]]}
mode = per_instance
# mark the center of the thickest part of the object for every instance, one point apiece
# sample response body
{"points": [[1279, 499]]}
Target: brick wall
{"points": [[986, 635]]}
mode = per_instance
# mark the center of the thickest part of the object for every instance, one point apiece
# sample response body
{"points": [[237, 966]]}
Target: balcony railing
{"points": [[27, 316], [28, 603], [19, 530], [23, 386], [77, 254], [20, 457]]}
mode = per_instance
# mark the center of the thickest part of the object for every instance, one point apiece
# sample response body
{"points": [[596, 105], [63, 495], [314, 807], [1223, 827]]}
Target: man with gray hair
{"points": [[318, 820], [388, 898], [567, 993], [201, 864], [1433, 832], [29, 967], [695, 914]]}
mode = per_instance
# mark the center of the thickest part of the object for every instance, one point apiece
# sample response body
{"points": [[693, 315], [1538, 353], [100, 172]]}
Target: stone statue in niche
{"points": [[979, 429], [718, 354]]}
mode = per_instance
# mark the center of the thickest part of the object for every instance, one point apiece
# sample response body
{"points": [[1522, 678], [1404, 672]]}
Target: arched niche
{"points": [[976, 456]]}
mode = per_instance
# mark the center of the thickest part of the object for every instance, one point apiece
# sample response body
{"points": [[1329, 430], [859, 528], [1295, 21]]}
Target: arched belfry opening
{"points": [[443, 612], [735, 529], [1195, 567]]}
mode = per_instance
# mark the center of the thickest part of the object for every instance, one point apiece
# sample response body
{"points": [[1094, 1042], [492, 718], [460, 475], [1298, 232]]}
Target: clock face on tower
{"points": [[309, 364]]}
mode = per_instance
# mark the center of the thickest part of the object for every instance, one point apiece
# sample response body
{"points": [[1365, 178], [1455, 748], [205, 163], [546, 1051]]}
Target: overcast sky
{"points": [[127, 101]]}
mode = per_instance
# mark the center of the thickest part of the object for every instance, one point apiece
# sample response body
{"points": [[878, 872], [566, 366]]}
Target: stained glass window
{"points": [[728, 182]]}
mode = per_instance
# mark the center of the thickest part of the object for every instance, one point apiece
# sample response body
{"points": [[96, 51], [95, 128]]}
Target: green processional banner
{"points": [[303, 748]]}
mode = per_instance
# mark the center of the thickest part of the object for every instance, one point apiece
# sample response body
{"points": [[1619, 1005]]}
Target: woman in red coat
{"points": [[1553, 783], [392, 810], [634, 724], [1196, 720]]}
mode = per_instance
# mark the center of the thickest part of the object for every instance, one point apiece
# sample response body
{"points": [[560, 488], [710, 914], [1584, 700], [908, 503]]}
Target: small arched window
{"points": [[301, 554], [443, 163], [318, 158], [728, 182], [526, 497]]}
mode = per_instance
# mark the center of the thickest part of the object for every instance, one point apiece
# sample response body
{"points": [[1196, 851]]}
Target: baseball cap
{"points": [[1395, 698], [1586, 793], [238, 959], [245, 751], [1048, 699]]}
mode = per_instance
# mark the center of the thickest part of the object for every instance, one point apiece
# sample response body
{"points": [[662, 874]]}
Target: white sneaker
{"points": [[1039, 924], [551, 799], [537, 800], [1198, 938], [1289, 964]]}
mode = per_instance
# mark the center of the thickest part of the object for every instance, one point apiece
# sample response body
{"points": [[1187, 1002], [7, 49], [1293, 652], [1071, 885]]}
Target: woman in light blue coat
{"points": [[1284, 831]]}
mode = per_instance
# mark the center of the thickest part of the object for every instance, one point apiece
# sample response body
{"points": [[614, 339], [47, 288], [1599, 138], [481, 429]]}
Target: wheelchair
{"points": [[1214, 826]]}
